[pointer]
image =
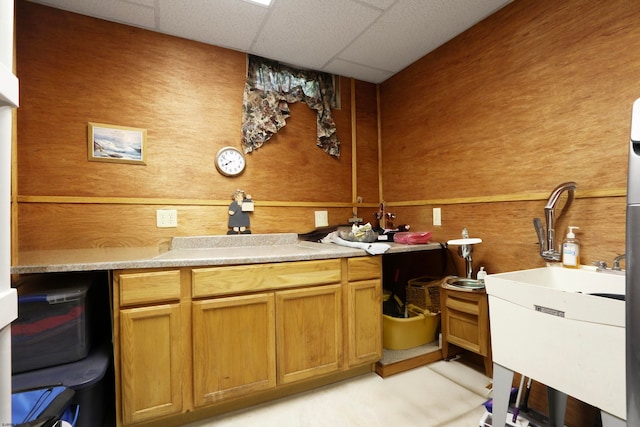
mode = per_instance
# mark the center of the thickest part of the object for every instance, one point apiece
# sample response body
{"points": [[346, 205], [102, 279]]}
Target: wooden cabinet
{"points": [[233, 347], [150, 343], [465, 323], [191, 338], [308, 332]]}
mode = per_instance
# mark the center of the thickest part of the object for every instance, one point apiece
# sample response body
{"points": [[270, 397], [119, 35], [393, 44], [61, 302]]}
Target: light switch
{"points": [[437, 217]]}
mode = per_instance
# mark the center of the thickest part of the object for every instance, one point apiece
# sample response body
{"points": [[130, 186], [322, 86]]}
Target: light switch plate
{"points": [[437, 216], [322, 218], [166, 218]]}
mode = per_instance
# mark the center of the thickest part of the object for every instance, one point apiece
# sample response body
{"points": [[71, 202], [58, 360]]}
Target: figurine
{"points": [[238, 218]]}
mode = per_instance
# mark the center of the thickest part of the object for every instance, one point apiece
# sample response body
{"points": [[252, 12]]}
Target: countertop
{"points": [[195, 251]]}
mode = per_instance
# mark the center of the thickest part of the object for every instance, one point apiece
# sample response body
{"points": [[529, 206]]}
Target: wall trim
{"points": [[498, 198], [515, 197]]}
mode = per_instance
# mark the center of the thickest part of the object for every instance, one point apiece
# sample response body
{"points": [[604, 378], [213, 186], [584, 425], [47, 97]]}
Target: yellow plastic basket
{"points": [[403, 333]]}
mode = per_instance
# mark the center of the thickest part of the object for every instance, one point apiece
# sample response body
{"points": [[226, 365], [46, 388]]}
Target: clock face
{"points": [[230, 161]]}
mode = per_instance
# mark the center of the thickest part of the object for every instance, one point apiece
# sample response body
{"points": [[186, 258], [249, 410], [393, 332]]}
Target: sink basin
{"points": [[554, 325], [565, 291], [464, 283]]}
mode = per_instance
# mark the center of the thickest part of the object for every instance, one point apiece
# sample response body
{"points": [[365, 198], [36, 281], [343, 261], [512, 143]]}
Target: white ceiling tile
{"points": [[412, 27], [226, 23], [360, 72], [311, 32]]}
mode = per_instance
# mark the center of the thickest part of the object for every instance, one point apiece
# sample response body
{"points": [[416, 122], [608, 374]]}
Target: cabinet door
{"points": [[233, 347], [308, 332], [364, 317], [466, 320], [152, 362]]}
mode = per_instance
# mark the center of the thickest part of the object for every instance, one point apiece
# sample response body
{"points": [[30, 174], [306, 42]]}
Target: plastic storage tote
{"points": [[52, 326]]}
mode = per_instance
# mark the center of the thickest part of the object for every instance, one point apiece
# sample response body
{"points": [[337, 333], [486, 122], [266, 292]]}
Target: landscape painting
{"points": [[111, 143]]}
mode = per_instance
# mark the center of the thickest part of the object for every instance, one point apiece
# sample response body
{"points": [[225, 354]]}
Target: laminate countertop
{"points": [[195, 251]]}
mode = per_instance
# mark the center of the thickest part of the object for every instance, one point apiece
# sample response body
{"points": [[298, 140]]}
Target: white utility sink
{"points": [[547, 325]]}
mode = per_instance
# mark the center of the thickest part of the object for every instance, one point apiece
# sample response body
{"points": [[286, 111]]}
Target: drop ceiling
{"points": [[369, 40]]}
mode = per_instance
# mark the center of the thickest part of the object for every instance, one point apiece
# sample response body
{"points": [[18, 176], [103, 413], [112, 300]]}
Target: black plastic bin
{"points": [[86, 377], [53, 324]]}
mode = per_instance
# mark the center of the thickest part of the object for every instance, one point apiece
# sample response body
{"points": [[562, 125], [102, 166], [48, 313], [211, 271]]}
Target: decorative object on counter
{"points": [[230, 161], [268, 89], [120, 144], [359, 233], [384, 225], [465, 249], [546, 236], [371, 248], [379, 218], [389, 220], [238, 215]]}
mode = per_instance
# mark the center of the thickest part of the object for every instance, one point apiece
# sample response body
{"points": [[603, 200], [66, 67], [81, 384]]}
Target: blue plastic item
{"points": [[85, 377], [43, 407]]}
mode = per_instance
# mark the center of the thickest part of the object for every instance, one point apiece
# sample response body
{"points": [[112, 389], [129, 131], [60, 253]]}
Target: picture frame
{"points": [[116, 144]]}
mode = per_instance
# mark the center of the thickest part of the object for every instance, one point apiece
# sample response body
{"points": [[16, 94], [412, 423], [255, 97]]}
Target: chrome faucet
{"points": [[616, 262], [465, 252], [547, 238]]}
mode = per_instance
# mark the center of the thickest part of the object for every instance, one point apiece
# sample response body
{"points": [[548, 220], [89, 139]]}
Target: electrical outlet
{"points": [[166, 218], [322, 218], [437, 216]]}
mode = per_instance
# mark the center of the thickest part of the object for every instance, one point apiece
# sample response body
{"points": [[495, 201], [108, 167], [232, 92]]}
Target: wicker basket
{"points": [[425, 293]]}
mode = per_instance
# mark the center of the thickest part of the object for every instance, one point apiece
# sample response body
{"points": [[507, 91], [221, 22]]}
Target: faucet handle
{"points": [[600, 264]]}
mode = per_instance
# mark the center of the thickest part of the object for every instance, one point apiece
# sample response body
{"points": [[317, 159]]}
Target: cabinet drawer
{"points": [[363, 268], [463, 305], [148, 287], [259, 277]]}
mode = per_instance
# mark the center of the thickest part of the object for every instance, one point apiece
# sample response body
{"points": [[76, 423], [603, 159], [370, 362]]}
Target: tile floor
{"points": [[441, 394]]}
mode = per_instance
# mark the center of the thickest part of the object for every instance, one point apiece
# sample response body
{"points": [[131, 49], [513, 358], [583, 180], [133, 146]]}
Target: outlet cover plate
{"points": [[166, 218], [322, 218]]}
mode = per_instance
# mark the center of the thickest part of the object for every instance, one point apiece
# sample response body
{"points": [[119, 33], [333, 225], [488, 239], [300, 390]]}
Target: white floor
{"points": [[442, 394]]}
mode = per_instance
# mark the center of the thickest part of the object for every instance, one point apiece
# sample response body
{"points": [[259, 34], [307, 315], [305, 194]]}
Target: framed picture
{"points": [[111, 143]]}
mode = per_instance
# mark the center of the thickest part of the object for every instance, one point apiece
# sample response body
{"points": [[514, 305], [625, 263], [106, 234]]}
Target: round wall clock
{"points": [[230, 161]]}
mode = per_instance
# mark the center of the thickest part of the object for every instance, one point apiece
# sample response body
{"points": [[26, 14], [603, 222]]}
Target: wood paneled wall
{"points": [[74, 69], [486, 126]]}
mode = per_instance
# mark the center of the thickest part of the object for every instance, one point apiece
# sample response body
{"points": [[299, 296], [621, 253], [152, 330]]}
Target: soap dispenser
{"points": [[482, 274], [571, 250]]}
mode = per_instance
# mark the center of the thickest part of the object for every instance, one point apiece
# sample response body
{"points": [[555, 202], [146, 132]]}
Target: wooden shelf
{"points": [[396, 361]]}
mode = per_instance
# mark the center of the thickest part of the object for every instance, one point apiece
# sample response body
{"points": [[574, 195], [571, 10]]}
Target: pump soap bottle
{"points": [[571, 250]]}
